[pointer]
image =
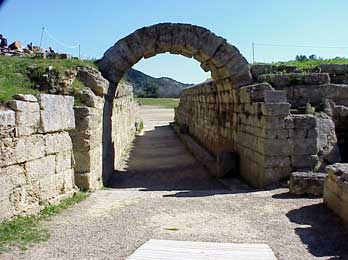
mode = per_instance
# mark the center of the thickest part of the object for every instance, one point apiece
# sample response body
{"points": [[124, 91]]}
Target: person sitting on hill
{"points": [[3, 43], [51, 50]]}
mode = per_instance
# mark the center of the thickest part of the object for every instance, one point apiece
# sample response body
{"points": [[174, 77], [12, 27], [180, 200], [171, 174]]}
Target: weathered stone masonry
{"points": [[254, 121], [36, 157], [43, 155], [90, 119]]}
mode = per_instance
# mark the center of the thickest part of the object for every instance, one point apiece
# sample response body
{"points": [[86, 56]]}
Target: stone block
{"points": [[276, 80], [18, 150], [11, 177], [260, 69], [64, 161], [7, 123], [276, 161], [304, 162], [276, 147], [281, 109], [23, 106], [16, 196], [316, 79], [304, 146], [27, 98], [93, 80], [339, 79], [328, 148], [57, 113], [57, 142], [307, 183], [304, 121], [41, 167], [89, 99], [303, 133], [336, 189], [27, 118], [255, 92], [336, 69], [275, 96], [50, 187]]}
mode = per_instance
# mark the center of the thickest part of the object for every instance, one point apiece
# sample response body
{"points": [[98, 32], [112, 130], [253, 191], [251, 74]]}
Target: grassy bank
{"points": [[14, 73], [312, 63], [23, 232], [161, 102]]}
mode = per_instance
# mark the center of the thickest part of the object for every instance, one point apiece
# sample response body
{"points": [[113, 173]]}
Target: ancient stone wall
{"points": [[124, 120], [88, 137], [325, 82], [254, 121], [36, 158]]}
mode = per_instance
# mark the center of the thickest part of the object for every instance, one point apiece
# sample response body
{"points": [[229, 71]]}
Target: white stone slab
{"points": [[187, 250]]}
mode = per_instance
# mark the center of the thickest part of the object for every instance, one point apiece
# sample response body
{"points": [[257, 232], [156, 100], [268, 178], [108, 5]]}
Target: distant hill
{"points": [[147, 86]]}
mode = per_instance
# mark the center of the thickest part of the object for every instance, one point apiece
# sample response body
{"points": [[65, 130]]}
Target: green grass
{"points": [[13, 73], [312, 63], [161, 102], [24, 231]]}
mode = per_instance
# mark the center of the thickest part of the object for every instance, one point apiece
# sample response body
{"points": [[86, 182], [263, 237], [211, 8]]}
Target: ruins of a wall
{"points": [[88, 137], [124, 121], [255, 122], [36, 157], [303, 131], [336, 189]]}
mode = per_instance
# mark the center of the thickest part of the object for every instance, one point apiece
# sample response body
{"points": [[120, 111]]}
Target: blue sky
{"points": [[97, 25]]}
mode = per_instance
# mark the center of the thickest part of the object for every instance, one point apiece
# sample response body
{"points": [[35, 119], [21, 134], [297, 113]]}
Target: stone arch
{"points": [[214, 53]]}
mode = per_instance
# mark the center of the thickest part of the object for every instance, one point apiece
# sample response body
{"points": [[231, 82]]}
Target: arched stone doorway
{"points": [[214, 53]]}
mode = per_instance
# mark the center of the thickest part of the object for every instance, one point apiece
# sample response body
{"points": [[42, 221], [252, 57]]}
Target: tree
{"points": [[301, 57], [312, 57]]}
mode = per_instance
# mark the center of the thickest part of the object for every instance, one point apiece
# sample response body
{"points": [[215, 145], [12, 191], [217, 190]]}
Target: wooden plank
{"points": [[188, 250]]}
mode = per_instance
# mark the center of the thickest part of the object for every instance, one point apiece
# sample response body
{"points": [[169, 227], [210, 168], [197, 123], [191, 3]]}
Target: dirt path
{"points": [[163, 188]]}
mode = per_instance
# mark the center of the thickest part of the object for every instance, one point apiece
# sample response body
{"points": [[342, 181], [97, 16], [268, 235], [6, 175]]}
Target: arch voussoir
{"points": [[164, 37]]}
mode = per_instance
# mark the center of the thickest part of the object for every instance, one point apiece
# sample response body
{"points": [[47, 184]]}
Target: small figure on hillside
{"points": [[51, 50], [3, 43], [30, 46]]}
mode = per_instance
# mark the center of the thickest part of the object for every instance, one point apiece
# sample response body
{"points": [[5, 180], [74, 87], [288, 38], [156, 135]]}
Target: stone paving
{"points": [[164, 194]]}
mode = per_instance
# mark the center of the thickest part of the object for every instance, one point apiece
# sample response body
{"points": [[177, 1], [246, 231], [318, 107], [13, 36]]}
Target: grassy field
{"points": [[161, 102], [312, 63], [25, 231], [14, 70]]}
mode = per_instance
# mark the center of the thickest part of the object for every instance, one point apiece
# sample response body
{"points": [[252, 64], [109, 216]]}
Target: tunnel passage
{"points": [[214, 53]]}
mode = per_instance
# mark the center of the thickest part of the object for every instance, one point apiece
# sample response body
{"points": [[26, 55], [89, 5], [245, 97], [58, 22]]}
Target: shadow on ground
{"points": [[322, 231], [159, 161]]}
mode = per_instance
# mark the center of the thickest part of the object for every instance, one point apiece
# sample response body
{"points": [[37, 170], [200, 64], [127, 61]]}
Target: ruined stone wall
{"points": [[124, 119], [88, 136], [36, 158], [325, 82], [254, 121]]}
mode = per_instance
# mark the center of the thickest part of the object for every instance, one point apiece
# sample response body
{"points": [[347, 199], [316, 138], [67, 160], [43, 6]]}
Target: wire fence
{"points": [[48, 40]]}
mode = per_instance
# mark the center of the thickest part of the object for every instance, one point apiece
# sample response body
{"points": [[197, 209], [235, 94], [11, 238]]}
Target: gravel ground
{"points": [[163, 188]]}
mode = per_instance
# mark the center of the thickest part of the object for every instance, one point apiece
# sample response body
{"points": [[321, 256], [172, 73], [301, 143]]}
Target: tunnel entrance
{"points": [[214, 53]]}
